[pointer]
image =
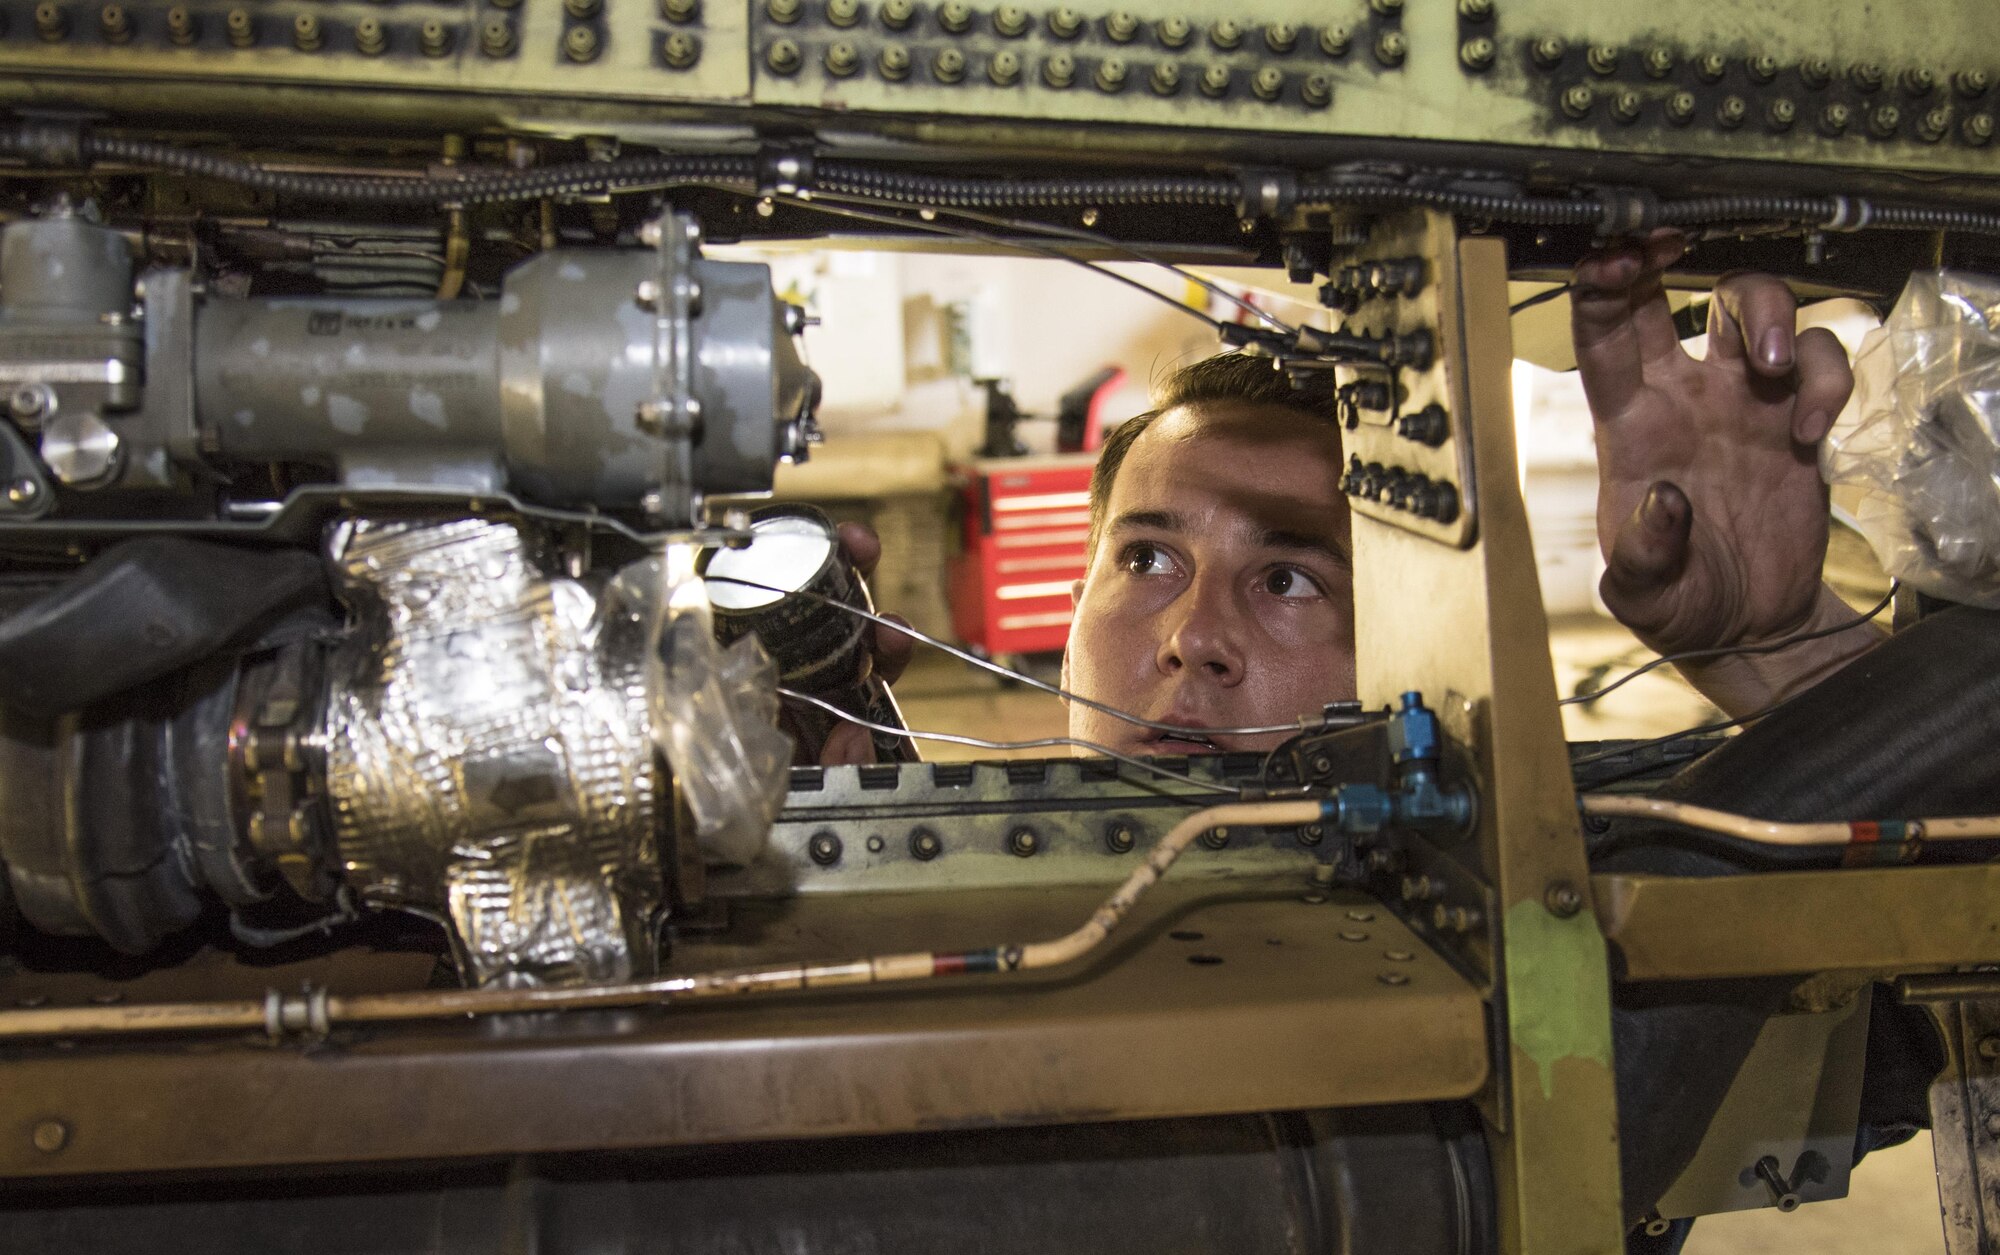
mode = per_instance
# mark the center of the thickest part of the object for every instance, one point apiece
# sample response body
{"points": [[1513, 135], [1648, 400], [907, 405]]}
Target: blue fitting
{"points": [[1413, 732], [1360, 809]]}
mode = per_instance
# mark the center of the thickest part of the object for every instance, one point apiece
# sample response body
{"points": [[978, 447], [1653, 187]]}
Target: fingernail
{"points": [[1659, 510], [1777, 348]]}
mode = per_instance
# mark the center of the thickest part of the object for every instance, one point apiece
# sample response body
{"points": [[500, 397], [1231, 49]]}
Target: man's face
{"points": [[1221, 593]]}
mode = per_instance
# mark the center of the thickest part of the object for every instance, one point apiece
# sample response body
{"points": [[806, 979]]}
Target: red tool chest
{"points": [[1025, 521]]}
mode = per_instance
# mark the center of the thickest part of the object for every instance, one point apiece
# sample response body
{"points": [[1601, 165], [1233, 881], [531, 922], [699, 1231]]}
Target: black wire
{"points": [[1539, 298], [1769, 647]]}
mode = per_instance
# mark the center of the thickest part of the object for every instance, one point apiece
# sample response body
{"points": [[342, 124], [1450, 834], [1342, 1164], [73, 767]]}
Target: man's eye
{"points": [[1290, 582], [1147, 560]]}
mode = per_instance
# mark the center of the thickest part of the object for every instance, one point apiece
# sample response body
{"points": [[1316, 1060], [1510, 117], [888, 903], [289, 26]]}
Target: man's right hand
{"points": [[889, 652]]}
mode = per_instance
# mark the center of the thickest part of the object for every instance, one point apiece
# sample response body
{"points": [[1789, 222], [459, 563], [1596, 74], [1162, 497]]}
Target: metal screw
{"points": [[1989, 1046], [434, 40], [1215, 81], [1977, 129], [306, 35], [1110, 75], [1268, 82], [1865, 75], [1059, 70], [1932, 126], [1174, 32], [1563, 899], [1418, 888], [1659, 62], [679, 11], [1781, 1191], [1354, 935], [583, 10], [23, 491], [1005, 67], [1816, 71], [1215, 838], [1225, 34], [1281, 37], [948, 66], [115, 22], [1385, 861], [1392, 48], [1762, 68], [924, 845], [51, 1136], [1971, 84], [1731, 112], [1602, 60], [875, 844], [1548, 53], [955, 17], [181, 25], [1119, 839], [1387, 8], [1475, 10], [1712, 66], [824, 849], [894, 63], [1625, 106], [1361, 917], [1166, 78], [842, 58], [1834, 118], [1334, 41], [496, 37], [1577, 100], [783, 12], [1316, 90], [1394, 978], [30, 401], [1457, 919], [1065, 23], [51, 22], [896, 14], [1312, 834], [843, 13], [1781, 114], [1477, 54], [782, 57], [370, 39], [1023, 843], [1918, 83], [1312, 899], [580, 43], [1010, 20], [1885, 120]]}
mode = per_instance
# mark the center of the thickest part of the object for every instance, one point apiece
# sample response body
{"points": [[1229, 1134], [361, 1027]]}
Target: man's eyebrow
{"points": [[1156, 520], [1279, 538]]}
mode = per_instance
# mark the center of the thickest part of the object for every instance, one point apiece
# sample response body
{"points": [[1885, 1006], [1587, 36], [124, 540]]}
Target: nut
{"points": [[1392, 48], [1023, 843], [824, 849]]}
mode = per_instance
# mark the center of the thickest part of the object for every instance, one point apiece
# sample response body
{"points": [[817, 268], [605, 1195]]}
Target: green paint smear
{"points": [[1558, 992]]}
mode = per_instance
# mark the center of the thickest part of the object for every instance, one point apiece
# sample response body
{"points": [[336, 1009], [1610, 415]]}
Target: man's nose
{"points": [[1204, 631]]}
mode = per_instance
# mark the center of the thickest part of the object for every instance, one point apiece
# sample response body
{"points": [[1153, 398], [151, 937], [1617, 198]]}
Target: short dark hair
{"points": [[1224, 378]]}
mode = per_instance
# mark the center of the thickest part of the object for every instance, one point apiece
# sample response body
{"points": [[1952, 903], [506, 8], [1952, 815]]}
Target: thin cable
{"points": [[1772, 832], [1720, 726], [1046, 742], [941, 228], [1301, 725], [1539, 298], [1769, 647]]}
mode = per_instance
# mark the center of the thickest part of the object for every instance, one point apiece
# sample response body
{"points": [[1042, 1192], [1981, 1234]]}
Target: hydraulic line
{"points": [[1770, 832], [318, 1011]]}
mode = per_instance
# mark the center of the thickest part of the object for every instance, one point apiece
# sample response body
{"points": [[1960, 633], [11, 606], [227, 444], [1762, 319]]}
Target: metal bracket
{"points": [[1965, 1125], [672, 413]]}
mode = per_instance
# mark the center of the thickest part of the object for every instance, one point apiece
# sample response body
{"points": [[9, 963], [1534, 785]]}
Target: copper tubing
{"points": [[1769, 832], [315, 1011]]}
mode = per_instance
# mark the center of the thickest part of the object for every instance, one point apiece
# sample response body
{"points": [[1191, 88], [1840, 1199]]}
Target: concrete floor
{"points": [[1892, 1208]]}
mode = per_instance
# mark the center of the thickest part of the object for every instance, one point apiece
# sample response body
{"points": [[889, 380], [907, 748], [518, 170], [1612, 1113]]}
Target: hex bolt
{"points": [[1602, 60], [1065, 23], [434, 39], [1475, 10], [51, 1136], [1005, 68], [924, 845], [583, 10], [1934, 125], [1918, 83], [1834, 119], [679, 12], [842, 58], [1762, 69], [1625, 105], [1977, 129], [1816, 72], [1268, 82], [1712, 66], [1281, 37], [1216, 838], [115, 22], [1658, 62], [1166, 79], [1110, 76], [1312, 834], [1059, 70], [182, 27], [1563, 899], [1781, 1190], [1010, 21], [30, 402], [1392, 48], [1780, 114], [580, 43], [1419, 888], [1477, 54], [1226, 34], [1119, 839], [496, 37], [783, 57], [1548, 53], [1215, 81], [1577, 100], [1023, 843], [897, 14], [1865, 75], [824, 849], [1884, 120], [1334, 41], [51, 23], [371, 39], [306, 33], [843, 13], [1174, 32], [948, 66], [1971, 84], [894, 63], [1387, 8], [680, 50], [954, 17], [1731, 112], [1316, 90], [783, 12]]}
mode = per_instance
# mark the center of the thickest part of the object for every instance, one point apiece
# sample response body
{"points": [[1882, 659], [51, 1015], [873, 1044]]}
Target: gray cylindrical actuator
{"points": [[538, 393]]}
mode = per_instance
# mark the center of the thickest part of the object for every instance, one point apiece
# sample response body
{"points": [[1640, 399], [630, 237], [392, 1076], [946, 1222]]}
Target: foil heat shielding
{"points": [[489, 757]]}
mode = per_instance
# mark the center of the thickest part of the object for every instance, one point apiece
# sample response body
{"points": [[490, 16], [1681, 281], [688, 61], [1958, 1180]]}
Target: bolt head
{"points": [[51, 1136], [1120, 839], [824, 849], [924, 845], [1023, 843]]}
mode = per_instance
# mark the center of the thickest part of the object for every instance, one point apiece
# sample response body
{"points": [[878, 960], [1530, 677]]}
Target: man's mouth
{"points": [[1183, 743]]}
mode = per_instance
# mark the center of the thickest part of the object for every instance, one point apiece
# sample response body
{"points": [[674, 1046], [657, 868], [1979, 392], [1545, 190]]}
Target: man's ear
{"points": [[1075, 599]]}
